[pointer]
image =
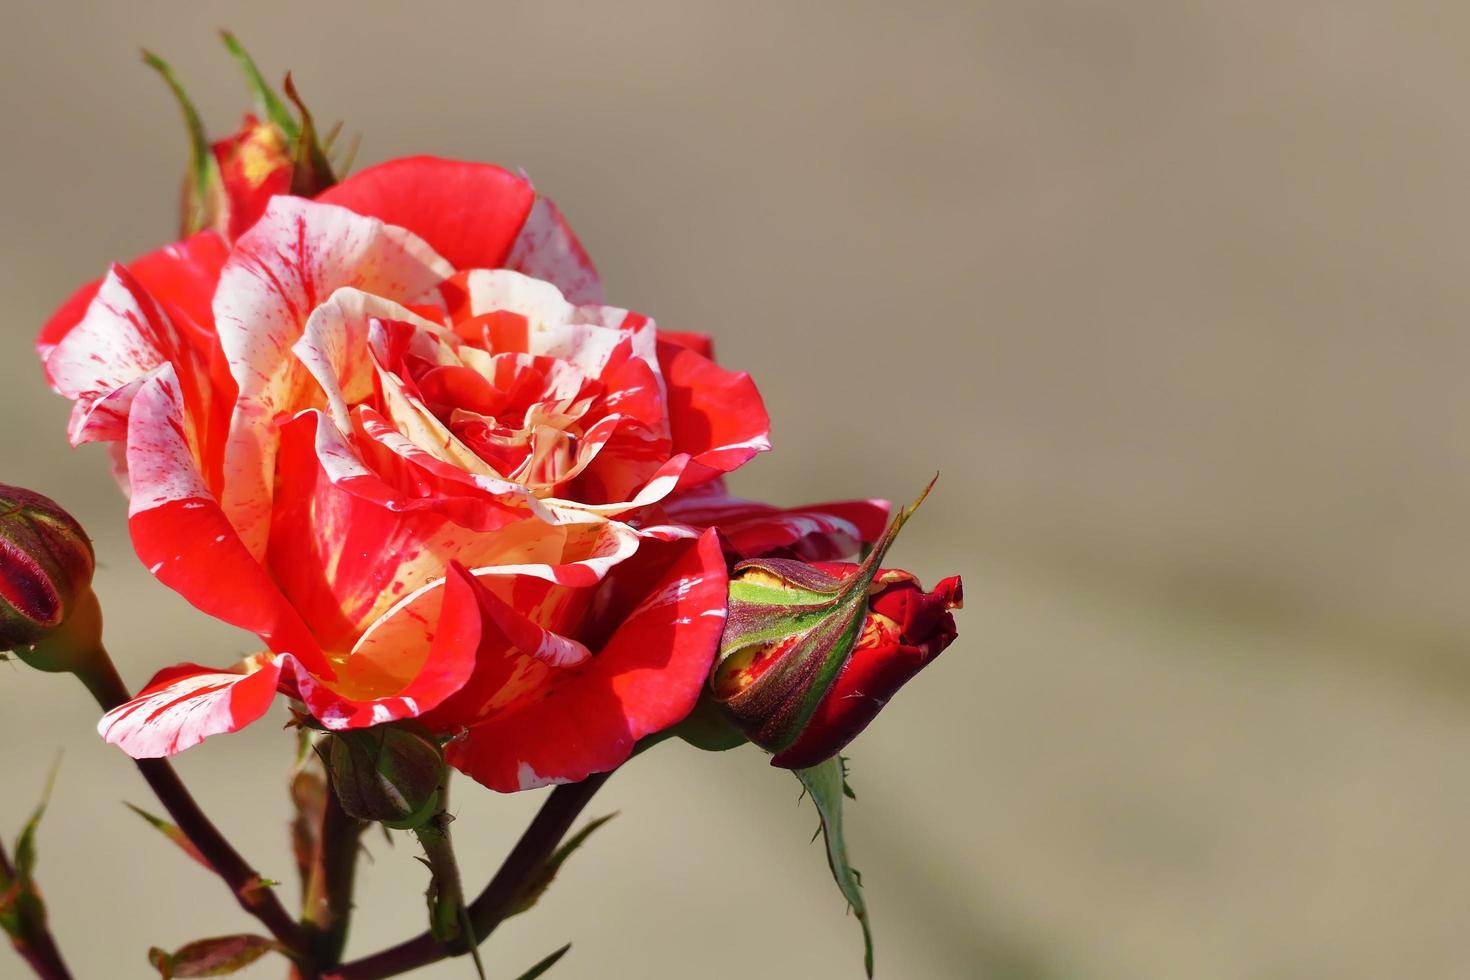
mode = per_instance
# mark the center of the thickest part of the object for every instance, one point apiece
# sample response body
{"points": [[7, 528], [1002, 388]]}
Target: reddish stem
{"points": [[496, 902], [37, 946], [327, 906], [254, 896]]}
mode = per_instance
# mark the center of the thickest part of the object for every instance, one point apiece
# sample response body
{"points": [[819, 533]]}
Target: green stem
{"points": [[449, 917]]}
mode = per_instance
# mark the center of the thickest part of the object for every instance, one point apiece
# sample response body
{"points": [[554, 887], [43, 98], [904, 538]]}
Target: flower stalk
{"points": [[499, 898], [327, 903], [101, 678]]}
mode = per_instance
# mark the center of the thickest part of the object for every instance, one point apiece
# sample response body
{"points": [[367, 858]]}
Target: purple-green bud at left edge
{"points": [[48, 614]]}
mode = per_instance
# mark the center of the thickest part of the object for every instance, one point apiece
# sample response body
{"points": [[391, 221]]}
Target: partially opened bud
{"points": [[392, 774], [905, 628], [46, 565], [812, 652], [254, 166], [230, 181]]}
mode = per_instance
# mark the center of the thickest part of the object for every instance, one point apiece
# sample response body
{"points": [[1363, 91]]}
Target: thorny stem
{"points": [[250, 890], [448, 915], [499, 897]]}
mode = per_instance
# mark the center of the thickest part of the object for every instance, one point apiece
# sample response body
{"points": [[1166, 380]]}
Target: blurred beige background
{"points": [[1174, 295]]}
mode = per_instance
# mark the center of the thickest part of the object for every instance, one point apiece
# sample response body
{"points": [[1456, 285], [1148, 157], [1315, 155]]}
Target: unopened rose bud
{"points": [[391, 774], [46, 565], [230, 181], [812, 652], [254, 166], [904, 630]]}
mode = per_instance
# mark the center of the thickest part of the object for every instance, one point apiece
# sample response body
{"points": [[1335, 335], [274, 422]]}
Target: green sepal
{"points": [[311, 171], [827, 785], [204, 189], [708, 729], [268, 104], [393, 774]]}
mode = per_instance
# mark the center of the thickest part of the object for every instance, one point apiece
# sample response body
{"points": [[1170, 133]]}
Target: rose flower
{"points": [[394, 432]]}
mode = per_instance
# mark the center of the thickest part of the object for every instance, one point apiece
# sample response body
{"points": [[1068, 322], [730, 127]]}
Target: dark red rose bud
{"points": [[905, 629], [392, 774], [812, 652], [46, 565]]}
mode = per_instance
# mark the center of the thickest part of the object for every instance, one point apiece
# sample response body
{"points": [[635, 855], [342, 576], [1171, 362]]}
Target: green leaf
{"points": [[216, 957], [545, 964], [25, 845], [173, 833], [204, 188], [536, 886], [267, 103], [827, 784]]}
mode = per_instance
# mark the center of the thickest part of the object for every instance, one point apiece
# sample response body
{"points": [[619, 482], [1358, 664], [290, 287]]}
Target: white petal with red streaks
{"points": [[296, 256], [122, 336], [584, 336], [181, 534], [334, 347], [547, 249]]}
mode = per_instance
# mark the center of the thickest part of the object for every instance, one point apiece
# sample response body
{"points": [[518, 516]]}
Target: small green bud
{"points": [[391, 774]]}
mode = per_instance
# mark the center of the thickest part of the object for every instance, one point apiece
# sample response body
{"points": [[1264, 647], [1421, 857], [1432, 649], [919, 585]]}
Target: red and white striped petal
{"points": [[382, 432], [550, 599], [663, 482], [181, 534], [122, 336], [547, 249], [588, 718], [296, 256], [545, 645], [334, 347], [181, 276], [545, 323], [184, 705]]}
